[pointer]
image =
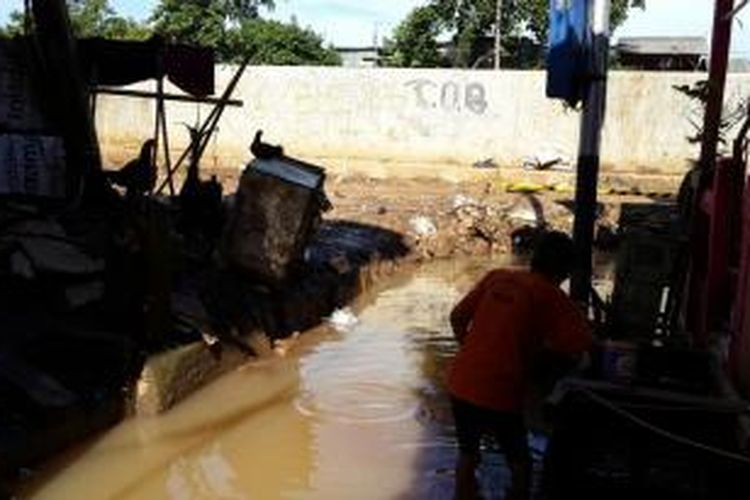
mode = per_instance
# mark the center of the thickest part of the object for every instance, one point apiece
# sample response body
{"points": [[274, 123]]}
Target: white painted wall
{"points": [[418, 122]]}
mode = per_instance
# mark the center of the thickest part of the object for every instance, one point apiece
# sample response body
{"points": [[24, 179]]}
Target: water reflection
{"points": [[356, 414]]}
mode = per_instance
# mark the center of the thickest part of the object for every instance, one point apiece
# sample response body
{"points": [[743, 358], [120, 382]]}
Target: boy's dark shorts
{"points": [[472, 422]]}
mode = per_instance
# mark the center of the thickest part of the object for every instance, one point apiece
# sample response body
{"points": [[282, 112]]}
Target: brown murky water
{"points": [[353, 413]]}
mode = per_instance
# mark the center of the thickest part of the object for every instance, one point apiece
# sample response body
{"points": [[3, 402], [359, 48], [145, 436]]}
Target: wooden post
{"points": [[66, 85], [498, 32], [167, 155], [213, 118]]}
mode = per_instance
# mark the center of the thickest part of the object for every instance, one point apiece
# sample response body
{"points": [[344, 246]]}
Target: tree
{"points": [[91, 18], [235, 29], [205, 22], [415, 40], [276, 43], [536, 12], [470, 21]]}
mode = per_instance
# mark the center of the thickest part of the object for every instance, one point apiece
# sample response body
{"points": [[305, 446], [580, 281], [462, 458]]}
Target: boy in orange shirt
{"points": [[502, 326]]}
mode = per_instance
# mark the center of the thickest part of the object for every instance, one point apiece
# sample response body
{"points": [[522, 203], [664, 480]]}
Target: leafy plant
{"points": [[732, 115]]}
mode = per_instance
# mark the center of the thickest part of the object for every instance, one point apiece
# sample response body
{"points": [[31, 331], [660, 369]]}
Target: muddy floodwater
{"points": [[353, 412]]}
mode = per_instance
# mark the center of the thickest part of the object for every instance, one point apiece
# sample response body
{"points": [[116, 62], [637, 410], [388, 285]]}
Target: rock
{"points": [[20, 265], [84, 294], [39, 386], [55, 256]]}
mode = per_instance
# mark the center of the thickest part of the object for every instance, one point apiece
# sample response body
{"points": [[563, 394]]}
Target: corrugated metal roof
{"points": [[658, 45]]}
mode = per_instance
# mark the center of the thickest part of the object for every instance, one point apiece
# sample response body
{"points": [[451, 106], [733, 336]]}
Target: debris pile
{"points": [[471, 226]]}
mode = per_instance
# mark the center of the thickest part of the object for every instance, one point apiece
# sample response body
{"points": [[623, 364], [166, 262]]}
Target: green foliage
{"points": [[121, 28], [235, 30], [415, 40], [90, 18], [232, 27], [205, 22], [15, 24], [469, 21], [276, 43]]}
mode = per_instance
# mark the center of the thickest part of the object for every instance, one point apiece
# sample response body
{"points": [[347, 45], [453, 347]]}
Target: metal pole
{"points": [[498, 32], [589, 147], [720, 41]]}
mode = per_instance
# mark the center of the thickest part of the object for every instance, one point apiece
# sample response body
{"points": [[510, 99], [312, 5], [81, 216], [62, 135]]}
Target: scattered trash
{"points": [[549, 157], [423, 226], [488, 163], [525, 210], [461, 200], [540, 162], [343, 319], [525, 187]]}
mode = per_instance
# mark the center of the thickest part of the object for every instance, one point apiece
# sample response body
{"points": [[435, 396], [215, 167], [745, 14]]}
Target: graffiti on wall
{"points": [[450, 96]]}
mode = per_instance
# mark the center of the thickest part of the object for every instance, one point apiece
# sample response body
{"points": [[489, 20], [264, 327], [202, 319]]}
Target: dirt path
{"points": [[442, 219]]}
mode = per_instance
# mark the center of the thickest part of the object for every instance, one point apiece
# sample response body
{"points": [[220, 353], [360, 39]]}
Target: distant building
{"points": [[359, 57], [739, 65], [662, 53]]}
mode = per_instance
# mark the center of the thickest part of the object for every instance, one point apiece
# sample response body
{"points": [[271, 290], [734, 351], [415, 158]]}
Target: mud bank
{"points": [[344, 259]]}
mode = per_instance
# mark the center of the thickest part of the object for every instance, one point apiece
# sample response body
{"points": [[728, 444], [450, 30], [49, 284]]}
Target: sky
{"points": [[358, 23]]}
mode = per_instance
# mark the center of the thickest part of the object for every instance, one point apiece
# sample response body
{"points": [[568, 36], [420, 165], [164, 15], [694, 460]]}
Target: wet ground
{"points": [[352, 410]]}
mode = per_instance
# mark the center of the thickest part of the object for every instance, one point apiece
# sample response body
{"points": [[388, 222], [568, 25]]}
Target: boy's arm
{"points": [[463, 312], [567, 329]]}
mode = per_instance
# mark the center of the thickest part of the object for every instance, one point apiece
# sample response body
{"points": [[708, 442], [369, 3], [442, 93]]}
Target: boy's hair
{"points": [[554, 255]]}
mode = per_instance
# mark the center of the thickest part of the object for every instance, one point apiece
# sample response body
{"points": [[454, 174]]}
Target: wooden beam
{"points": [[167, 97]]}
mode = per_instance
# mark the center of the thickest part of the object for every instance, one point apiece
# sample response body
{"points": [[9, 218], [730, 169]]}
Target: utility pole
{"points": [[498, 28], [589, 147]]}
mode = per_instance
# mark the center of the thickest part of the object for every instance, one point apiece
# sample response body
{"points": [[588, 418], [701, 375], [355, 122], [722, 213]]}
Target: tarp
{"points": [[118, 63]]}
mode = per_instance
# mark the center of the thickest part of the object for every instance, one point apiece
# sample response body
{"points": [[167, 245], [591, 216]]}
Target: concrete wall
{"points": [[422, 122]]}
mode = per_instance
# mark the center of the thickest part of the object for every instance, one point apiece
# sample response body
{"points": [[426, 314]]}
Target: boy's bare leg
{"points": [[467, 487], [521, 471]]}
